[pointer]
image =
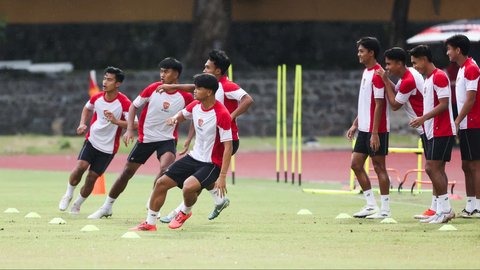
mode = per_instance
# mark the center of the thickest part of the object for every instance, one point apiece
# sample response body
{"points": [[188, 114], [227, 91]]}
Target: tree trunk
{"points": [[399, 22], [211, 26]]}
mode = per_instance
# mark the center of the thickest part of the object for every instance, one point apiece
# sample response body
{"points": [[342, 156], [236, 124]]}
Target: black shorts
{"points": [[362, 145], [180, 170], [98, 160], [440, 148], [235, 145], [423, 137], [470, 143], [141, 152]]}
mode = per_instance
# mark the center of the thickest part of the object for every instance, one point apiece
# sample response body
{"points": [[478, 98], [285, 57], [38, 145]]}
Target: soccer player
{"points": [[437, 120], [208, 161], [235, 99], [154, 133], [372, 123], [110, 112], [406, 94], [468, 119]]}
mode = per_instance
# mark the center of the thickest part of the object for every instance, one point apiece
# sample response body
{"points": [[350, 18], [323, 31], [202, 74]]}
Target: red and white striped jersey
{"points": [[409, 93], [372, 87], [157, 108], [230, 94], [103, 135], [437, 86], [468, 80], [212, 128]]}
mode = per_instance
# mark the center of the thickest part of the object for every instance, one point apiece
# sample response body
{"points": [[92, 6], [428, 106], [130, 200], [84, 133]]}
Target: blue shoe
{"points": [[219, 208], [170, 217]]}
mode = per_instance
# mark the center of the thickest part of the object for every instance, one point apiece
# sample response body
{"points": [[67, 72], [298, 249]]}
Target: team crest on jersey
{"points": [[200, 122], [166, 105]]}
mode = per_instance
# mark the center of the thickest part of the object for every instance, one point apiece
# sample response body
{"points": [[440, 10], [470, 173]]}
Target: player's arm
{"points": [[183, 87], [377, 115], [467, 107], [391, 93], [221, 183], [351, 131], [82, 126], [245, 102], [110, 117], [441, 107], [186, 145], [178, 118], [132, 125]]}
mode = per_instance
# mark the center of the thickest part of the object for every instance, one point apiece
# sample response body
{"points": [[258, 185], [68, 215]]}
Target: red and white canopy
{"points": [[441, 32]]}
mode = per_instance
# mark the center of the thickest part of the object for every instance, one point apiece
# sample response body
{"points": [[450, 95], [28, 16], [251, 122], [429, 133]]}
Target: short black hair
{"points": [[459, 41], [171, 63], [371, 44], [207, 81], [397, 54], [421, 50], [220, 59], [119, 74]]}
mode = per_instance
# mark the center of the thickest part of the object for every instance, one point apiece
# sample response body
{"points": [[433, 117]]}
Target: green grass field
{"points": [[260, 229]]}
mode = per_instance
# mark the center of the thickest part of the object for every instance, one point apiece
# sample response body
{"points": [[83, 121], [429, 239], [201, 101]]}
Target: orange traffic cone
{"points": [[99, 187]]}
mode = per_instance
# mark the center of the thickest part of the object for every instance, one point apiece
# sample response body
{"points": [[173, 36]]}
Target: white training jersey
{"points": [[103, 135], [468, 80], [409, 93]]}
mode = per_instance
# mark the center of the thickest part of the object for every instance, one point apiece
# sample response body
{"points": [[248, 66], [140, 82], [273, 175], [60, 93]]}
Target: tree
{"points": [[211, 27], [399, 22]]}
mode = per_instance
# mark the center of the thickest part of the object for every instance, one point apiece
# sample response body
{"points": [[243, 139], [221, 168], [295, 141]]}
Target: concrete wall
{"points": [[52, 104]]}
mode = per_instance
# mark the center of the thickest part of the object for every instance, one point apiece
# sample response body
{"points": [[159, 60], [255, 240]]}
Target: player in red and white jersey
{"points": [[373, 125], [468, 119], [110, 114], [437, 120], [407, 93], [154, 133], [206, 164], [235, 99]]}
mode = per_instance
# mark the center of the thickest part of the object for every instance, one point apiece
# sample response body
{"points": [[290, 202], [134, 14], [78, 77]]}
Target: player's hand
{"points": [[457, 126], [163, 87], [375, 142], [128, 137], [172, 121], [382, 73], [351, 132], [186, 146], [110, 117], [221, 185], [81, 129], [417, 122]]}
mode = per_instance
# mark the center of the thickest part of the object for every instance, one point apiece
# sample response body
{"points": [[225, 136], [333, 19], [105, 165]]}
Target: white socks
{"points": [[470, 204], [216, 197], [368, 194], [433, 206], [179, 207], [185, 209], [152, 217], [443, 204], [108, 203], [79, 200], [477, 204], [70, 190], [385, 202]]}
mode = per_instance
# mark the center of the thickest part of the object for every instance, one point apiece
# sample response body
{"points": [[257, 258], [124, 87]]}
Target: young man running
{"points": [[206, 164], [406, 94], [437, 120], [373, 124], [468, 120], [110, 111], [235, 99], [154, 134]]}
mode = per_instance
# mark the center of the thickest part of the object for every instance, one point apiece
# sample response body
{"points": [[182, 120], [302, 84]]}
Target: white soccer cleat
{"points": [[75, 209], [101, 212], [380, 215], [443, 217], [170, 217], [366, 211], [64, 202]]}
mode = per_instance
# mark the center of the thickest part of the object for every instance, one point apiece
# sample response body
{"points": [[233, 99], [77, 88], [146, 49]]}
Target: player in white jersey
{"points": [[407, 94], [235, 99], [154, 134], [372, 123], [437, 121], [468, 119], [208, 161], [110, 114]]}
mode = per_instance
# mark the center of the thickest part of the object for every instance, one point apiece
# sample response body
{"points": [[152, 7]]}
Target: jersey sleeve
{"points": [[378, 87], [125, 101], [405, 90], [224, 124], [187, 112], [441, 85], [233, 91], [187, 97], [472, 74], [91, 102], [145, 95]]}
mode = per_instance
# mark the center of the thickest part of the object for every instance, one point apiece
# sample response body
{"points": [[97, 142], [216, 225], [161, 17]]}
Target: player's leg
{"points": [[470, 147], [431, 211], [82, 165]]}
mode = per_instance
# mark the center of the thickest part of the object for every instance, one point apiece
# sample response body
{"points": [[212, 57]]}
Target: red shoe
{"points": [[179, 219], [428, 213], [144, 227]]}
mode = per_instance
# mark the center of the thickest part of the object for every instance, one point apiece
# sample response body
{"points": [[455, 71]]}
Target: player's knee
{"points": [[429, 168], [356, 166]]}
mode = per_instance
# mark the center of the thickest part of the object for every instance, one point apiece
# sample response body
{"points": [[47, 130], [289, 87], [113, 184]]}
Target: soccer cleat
{"points": [[219, 208], [144, 227], [101, 212], [75, 209], [443, 217], [476, 213], [179, 219], [428, 213], [169, 218], [366, 211], [380, 215], [64, 202], [466, 214]]}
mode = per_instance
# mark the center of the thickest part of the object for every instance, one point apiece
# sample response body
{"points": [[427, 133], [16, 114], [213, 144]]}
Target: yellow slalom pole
{"points": [[419, 165], [279, 109], [284, 119], [294, 124], [352, 173], [232, 161], [299, 121]]}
